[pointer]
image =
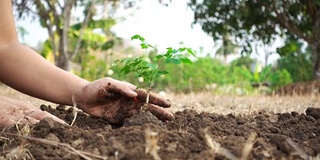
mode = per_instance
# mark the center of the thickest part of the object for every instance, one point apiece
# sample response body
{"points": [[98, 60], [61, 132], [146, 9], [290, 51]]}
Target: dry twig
{"points": [[74, 110], [67, 147], [248, 146], [298, 150], [216, 147], [152, 144]]}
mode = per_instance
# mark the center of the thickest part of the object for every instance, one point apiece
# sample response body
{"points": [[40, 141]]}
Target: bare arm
{"points": [[25, 70]]}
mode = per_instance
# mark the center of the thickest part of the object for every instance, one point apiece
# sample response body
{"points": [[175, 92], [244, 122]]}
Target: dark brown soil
{"points": [[300, 88], [183, 138]]}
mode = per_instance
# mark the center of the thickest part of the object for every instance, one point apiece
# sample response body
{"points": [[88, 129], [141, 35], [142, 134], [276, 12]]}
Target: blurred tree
{"points": [[227, 47], [296, 60], [249, 20], [57, 16], [22, 32], [243, 61]]}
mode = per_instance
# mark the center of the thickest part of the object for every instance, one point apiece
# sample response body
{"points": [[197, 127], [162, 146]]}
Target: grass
{"points": [[225, 104]]}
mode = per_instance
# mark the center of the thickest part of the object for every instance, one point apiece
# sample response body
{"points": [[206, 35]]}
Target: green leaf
{"points": [[141, 39], [142, 68], [173, 60], [125, 60], [138, 37], [174, 51], [158, 57], [182, 49], [125, 70], [135, 37], [144, 46], [115, 63], [160, 73], [185, 60], [191, 52], [169, 52]]}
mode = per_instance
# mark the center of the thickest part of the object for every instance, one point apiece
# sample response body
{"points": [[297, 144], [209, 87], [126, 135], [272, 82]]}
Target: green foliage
{"points": [[152, 68], [280, 77], [263, 76], [193, 77], [22, 32], [93, 68], [203, 72], [56, 17], [46, 50], [276, 77], [298, 66], [207, 71], [261, 20], [295, 60], [239, 74], [245, 61]]}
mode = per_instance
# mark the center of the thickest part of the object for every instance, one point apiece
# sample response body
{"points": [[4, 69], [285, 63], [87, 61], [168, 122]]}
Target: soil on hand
{"points": [[190, 135]]}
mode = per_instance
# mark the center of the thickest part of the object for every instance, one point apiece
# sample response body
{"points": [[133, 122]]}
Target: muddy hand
{"points": [[156, 104], [116, 100]]}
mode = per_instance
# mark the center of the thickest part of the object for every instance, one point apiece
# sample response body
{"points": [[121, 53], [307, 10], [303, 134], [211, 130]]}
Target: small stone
{"points": [[61, 107], [77, 143], [52, 137], [44, 107], [46, 122], [241, 121], [313, 112], [274, 130]]}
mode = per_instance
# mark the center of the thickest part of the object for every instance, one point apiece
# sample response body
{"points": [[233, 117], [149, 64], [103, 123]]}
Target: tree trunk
{"points": [[63, 60], [315, 49]]}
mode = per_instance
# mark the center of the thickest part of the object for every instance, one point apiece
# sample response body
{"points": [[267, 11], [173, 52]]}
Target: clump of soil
{"points": [[300, 88], [183, 138]]}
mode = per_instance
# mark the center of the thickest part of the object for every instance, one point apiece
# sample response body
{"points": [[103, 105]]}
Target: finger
{"points": [[160, 113], [12, 120], [124, 88], [28, 120], [39, 115], [153, 98], [7, 122], [130, 92]]}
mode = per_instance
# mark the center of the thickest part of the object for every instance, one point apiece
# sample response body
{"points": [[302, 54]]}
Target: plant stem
{"points": [[145, 105]]}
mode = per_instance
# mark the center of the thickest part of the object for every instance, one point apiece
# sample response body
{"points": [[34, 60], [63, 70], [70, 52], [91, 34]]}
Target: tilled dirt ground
{"points": [[205, 127], [192, 135]]}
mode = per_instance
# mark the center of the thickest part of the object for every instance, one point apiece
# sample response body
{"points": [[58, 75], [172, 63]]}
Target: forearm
{"points": [[26, 71]]}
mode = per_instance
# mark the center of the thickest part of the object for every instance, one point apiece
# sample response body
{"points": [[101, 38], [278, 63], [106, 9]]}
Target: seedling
{"points": [[151, 68]]}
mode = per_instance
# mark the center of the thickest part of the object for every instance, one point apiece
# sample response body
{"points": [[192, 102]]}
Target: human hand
{"points": [[116, 100], [14, 111]]}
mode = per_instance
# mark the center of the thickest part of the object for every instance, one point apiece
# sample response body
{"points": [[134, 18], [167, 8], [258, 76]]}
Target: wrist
{"points": [[77, 92]]}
